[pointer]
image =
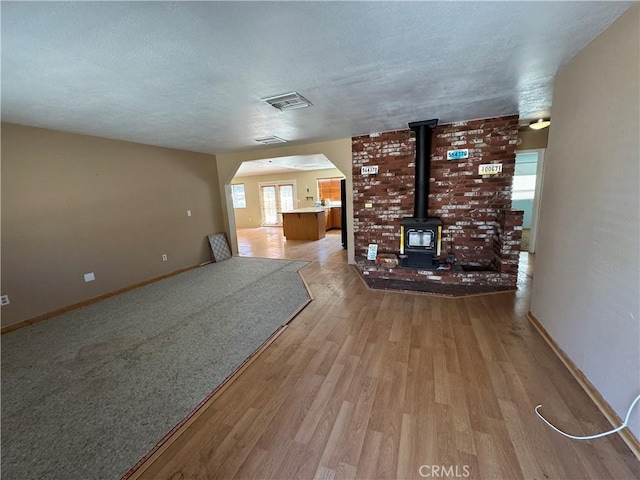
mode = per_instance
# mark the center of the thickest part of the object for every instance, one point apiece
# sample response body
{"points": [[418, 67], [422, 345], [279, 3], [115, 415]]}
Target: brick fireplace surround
{"points": [[479, 226]]}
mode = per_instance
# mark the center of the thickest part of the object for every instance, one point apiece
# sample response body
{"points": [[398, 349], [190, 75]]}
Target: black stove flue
{"points": [[423, 131], [420, 235]]}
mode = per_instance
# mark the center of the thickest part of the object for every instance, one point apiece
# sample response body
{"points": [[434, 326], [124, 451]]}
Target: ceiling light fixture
{"points": [[270, 140], [287, 101], [540, 124]]}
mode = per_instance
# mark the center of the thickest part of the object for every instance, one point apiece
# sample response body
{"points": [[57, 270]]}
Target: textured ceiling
{"points": [[190, 75]]}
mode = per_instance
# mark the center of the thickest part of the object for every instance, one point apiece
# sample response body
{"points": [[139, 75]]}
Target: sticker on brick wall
{"points": [[490, 169], [457, 154], [372, 252], [369, 170]]}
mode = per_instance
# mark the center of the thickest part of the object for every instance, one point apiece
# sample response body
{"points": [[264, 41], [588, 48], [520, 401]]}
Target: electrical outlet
{"points": [[188, 213], [164, 257], [89, 277], [4, 300]]}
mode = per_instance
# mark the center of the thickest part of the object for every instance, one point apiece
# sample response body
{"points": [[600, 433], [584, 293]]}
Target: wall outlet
{"points": [[164, 257], [4, 300], [89, 277], [188, 213]]}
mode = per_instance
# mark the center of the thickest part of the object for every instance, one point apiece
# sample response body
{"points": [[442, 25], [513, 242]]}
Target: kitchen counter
{"points": [[306, 210], [304, 223]]}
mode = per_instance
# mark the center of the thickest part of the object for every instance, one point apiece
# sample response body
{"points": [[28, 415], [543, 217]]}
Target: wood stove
{"points": [[420, 242], [420, 235]]}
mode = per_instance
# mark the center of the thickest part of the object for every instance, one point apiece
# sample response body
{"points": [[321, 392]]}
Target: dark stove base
{"points": [[433, 288], [425, 261]]}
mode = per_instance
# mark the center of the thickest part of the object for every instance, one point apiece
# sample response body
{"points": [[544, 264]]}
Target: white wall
{"points": [[587, 277]]}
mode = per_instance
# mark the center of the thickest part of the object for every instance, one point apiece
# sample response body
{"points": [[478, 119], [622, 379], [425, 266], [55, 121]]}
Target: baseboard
{"points": [[84, 303], [610, 414]]}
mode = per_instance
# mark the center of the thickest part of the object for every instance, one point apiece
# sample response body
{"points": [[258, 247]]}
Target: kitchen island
{"points": [[304, 223]]}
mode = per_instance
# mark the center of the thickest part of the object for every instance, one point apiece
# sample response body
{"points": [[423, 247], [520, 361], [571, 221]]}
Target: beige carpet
{"points": [[86, 394]]}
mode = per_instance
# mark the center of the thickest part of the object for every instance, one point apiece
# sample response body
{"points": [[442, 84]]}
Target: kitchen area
{"points": [[311, 223], [299, 206]]}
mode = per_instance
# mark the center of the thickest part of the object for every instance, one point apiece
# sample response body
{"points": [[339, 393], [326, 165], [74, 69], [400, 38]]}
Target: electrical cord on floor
{"points": [[598, 435]]}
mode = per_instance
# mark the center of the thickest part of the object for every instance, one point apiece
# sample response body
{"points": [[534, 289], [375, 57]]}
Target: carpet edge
{"points": [[170, 437]]}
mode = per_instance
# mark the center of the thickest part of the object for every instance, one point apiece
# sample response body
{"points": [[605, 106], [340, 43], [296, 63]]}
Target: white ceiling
{"points": [[190, 75], [294, 163]]}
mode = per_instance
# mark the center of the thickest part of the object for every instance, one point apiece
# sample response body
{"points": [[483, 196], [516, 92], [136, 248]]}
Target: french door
{"points": [[276, 197]]}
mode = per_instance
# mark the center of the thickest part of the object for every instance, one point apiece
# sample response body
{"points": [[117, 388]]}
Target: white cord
{"points": [[599, 435]]}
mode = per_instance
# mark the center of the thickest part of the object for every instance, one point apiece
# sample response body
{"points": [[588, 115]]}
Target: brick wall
{"points": [[506, 241], [471, 206]]}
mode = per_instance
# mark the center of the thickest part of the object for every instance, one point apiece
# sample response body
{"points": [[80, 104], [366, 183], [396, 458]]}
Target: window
{"points": [[237, 194], [524, 187], [329, 189], [524, 179]]}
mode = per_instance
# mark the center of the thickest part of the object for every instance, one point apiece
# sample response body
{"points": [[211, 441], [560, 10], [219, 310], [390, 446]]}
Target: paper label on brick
{"points": [[490, 169], [457, 154], [369, 170]]}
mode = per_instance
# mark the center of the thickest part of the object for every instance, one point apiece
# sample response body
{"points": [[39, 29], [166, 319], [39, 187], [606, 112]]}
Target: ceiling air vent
{"points": [[288, 101], [270, 140]]}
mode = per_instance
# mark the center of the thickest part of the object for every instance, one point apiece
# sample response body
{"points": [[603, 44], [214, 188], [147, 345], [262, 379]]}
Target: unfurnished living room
{"points": [[295, 240]]}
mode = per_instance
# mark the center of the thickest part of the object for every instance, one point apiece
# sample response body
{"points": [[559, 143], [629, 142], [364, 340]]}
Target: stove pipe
{"points": [[423, 131]]}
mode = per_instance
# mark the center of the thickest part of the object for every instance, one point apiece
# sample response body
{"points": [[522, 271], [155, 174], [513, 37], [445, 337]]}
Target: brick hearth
{"points": [[479, 227]]}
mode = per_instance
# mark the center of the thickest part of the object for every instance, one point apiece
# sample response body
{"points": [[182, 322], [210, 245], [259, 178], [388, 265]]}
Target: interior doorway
{"points": [[276, 197], [526, 192], [262, 189]]}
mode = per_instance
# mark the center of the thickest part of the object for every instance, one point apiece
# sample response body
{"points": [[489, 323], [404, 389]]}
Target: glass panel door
{"points": [[286, 197], [275, 199], [269, 205]]}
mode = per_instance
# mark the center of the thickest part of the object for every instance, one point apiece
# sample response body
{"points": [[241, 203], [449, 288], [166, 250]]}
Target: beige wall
{"points": [[337, 151], [250, 216], [73, 204], [533, 139], [587, 272]]}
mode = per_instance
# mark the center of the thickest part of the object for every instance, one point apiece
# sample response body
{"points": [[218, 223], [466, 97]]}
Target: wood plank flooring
{"points": [[380, 385], [269, 242]]}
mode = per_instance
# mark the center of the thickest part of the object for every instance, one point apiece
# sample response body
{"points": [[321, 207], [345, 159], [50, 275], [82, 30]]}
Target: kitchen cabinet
{"points": [[333, 218]]}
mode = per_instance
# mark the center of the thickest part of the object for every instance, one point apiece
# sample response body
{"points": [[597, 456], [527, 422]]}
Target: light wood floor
{"points": [[368, 384], [269, 242]]}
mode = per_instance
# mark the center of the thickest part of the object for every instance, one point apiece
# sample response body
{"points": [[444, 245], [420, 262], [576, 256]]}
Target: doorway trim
{"points": [[535, 213]]}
